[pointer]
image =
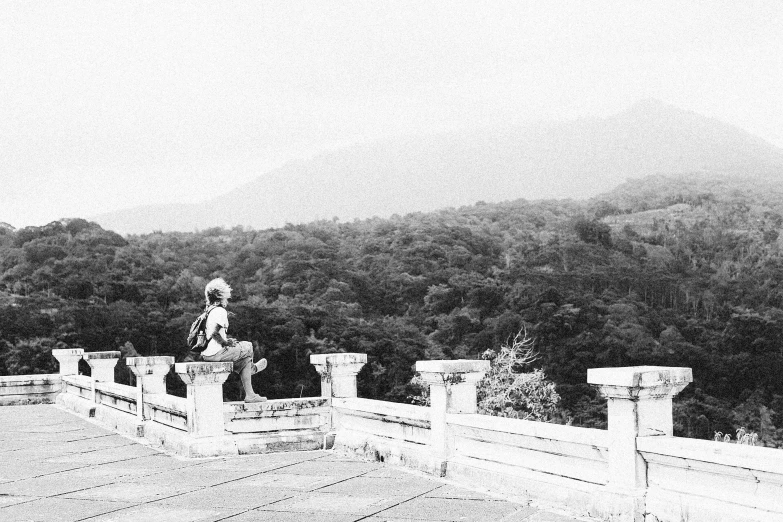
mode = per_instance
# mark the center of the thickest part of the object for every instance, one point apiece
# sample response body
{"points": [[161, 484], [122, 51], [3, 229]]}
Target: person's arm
{"points": [[221, 338]]}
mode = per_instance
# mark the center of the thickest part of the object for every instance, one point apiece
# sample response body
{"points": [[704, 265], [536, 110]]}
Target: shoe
{"points": [[255, 398], [260, 365]]}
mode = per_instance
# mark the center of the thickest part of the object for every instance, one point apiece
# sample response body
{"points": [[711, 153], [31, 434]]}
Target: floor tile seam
{"points": [[44, 474], [494, 497], [136, 504], [297, 494], [109, 512], [233, 515], [67, 452], [246, 509], [508, 517], [32, 499], [191, 462], [341, 481], [271, 469], [75, 427], [161, 472], [198, 487], [65, 495], [118, 480], [398, 504], [59, 433], [100, 437], [74, 469]]}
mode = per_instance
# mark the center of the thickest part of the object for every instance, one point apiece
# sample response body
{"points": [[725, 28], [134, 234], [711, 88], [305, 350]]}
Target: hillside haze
{"points": [[574, 159]]}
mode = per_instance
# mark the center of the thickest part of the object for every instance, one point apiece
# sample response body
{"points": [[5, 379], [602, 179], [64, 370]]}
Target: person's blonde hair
{"points": [[217, 290]]}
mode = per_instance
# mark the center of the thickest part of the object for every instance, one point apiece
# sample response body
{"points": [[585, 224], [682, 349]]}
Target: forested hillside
{"points": [[661, 271]]}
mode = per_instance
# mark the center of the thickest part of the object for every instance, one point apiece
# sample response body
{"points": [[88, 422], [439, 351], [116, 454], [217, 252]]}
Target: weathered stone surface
{"points": [[338, 372], [58, 510], [160, 512], [413, 486], [289, 481], [427, 508], [69, 360], [453, 367], [338, 359], [205, 396], [29, 389], [204, 372], [277, 415], [639, 381], [134, 493], [150, 372], [121, 481], [357, 503], [102, 365], [262, 515], [93, 356]]}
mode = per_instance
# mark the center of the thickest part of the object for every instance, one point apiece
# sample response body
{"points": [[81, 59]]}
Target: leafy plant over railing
{"points": [[507, 390], [743, 437]]}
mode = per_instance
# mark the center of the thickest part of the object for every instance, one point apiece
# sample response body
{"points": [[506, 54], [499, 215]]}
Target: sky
{"points": [[114, 104]]}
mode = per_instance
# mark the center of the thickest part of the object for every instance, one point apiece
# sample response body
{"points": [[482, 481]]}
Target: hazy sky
{"points": [[105, 105]]}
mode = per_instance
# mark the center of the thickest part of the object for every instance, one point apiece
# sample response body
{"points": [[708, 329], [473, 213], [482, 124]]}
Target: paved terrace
{"points": [[57, 467]]}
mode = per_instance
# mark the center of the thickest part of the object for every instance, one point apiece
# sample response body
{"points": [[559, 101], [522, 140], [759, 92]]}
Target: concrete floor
{"points": [[56, 467]]}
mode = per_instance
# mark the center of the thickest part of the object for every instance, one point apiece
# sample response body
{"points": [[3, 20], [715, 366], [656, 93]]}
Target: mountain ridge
{"points": [[572, 159]]}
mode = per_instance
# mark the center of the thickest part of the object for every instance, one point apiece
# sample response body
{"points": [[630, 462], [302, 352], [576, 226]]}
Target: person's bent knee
{"points": [[245, 349]]}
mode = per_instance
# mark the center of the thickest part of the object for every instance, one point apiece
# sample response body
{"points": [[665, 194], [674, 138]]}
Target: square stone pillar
{"points": [[69, 360], [150, 375], [452, 390], [338, 372], [639, 405], [102, 367], [205, 396]]}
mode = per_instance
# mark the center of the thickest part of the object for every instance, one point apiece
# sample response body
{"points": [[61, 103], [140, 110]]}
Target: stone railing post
{"points": [[102, 367], [205, 396], [150, 375], [338, 372], [452, 390], [69, 360], [639, 405]]}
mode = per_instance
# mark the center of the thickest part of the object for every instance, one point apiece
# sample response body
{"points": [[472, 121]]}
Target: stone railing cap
{"points": [[454, 366], [102, 355], [639, 376], [203, 368], [67, 351], [338, 358], [149, 361]]}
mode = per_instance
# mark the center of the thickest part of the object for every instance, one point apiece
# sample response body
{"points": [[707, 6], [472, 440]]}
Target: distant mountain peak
{"points": [[653, 108], [574, 159]]}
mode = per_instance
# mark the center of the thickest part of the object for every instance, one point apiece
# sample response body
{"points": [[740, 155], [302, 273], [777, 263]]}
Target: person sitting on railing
{"points": [[222, 348]]}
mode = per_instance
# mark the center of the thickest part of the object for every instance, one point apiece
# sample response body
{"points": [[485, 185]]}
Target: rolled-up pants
{"points": [[240, 354]]}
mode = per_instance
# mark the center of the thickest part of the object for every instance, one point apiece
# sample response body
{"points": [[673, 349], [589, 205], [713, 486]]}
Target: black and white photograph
{"points": [[400, 260]]}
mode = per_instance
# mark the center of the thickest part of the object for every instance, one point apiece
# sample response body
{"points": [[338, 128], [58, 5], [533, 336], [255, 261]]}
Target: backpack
{"points": [[197, 337]]}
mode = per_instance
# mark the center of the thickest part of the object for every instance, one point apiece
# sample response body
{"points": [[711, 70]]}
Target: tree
{"points": [[507, 391], [593, 231]]}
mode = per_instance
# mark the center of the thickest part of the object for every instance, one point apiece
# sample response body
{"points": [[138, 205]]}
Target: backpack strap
{"points": [[206, 316]]}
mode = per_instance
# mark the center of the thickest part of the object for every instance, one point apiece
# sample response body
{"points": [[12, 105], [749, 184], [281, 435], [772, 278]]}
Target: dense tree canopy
{"points": [[660, 271]]}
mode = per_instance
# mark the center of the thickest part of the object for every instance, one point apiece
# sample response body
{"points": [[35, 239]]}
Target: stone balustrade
{"points": [[636, 470], [338, 372], [102, 366], [452, 390], [639, 405], [69, 360], [205, 396], [150, 375]]}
